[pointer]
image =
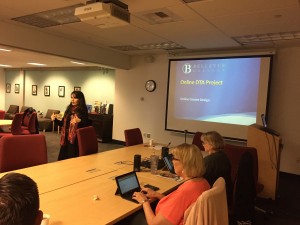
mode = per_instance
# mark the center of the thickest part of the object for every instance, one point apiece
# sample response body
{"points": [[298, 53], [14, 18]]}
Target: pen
{"points": [[91, 170]]}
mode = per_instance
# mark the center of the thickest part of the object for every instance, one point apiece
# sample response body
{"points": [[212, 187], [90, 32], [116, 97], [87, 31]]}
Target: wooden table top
{"points": [[5, 122], [67, 187], [75, 204]]}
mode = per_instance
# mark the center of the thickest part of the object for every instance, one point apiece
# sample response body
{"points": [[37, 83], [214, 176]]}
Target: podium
{"points": [[268, 145]]}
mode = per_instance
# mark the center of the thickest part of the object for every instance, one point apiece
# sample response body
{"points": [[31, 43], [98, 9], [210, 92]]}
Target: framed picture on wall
{"points": [[77, 88], [8, 87], [34, 90], [61, 91], [47, 90], [17, 88]]}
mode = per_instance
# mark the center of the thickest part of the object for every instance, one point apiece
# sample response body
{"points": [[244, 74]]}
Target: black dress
{"points": [[68, 149], [218, 165]]}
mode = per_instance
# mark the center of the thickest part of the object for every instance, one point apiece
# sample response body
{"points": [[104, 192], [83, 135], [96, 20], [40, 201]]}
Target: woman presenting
{"points": [[75, 116]]}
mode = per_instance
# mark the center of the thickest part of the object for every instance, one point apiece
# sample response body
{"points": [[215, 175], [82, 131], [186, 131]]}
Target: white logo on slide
{"points": [[187, 68]]}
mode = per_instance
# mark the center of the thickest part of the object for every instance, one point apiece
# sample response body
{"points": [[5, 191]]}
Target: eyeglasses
{"points": [[173, 158]]}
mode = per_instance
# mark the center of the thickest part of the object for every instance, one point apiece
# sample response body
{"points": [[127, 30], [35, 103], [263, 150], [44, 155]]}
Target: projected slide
{"points": [[224, 94], [223, 90]]}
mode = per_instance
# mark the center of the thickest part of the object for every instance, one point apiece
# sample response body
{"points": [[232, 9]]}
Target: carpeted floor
{"points": [[286, 207], [53, 138]]}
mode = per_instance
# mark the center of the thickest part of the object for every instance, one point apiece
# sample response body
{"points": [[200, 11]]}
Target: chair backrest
{"points": [[2, 114], [244, 192], [210, 207], [32, 124], [234, 154], [87, 140], [21, 151], [13, 109], [197, 140], [23, 108], [16, 125], [50, 112], [25, 120], [133, 136], [26, 115]]}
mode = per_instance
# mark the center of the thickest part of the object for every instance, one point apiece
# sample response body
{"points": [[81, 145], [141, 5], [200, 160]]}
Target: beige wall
{"points": [[2, 89], [285, 106], [97, 85]]}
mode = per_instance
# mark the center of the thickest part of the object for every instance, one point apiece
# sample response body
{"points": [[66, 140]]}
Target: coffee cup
{"points": [[151, 142]]}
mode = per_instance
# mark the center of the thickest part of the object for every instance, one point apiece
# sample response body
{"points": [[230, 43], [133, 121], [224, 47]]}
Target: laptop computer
{"points": [[128, 183], [168, 163]]}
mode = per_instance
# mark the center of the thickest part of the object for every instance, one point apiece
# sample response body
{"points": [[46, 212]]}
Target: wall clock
{"points": [[150, 85]]}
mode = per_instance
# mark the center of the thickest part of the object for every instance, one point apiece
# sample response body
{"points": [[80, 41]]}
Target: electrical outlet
{"points": [[148, 135], [144, 135]]}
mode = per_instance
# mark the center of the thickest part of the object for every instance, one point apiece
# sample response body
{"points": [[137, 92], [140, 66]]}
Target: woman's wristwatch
{"points": [[142, 202]]}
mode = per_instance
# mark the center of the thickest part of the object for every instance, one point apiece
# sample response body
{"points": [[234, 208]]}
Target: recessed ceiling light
{"points": [[3, 65], [80, 63], [37, 64], [50, 18], [269, 37], [5, 50], [163, 45]]}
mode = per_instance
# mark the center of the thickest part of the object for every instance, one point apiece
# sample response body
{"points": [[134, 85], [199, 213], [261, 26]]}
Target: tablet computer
{"points": [[168, 163]]}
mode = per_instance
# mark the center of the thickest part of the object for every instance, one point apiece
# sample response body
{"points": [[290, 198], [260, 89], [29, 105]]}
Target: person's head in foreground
{"points": [[19, 200]]}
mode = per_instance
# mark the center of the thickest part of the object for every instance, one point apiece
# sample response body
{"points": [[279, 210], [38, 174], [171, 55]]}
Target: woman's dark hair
{"points": [[81, 109]]}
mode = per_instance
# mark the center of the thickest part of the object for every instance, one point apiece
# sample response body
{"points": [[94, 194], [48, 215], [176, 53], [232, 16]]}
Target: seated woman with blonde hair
{"points": [[188, 164]]}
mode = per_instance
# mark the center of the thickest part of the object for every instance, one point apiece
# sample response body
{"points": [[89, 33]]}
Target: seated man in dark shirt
{"points": [[216, 162]]}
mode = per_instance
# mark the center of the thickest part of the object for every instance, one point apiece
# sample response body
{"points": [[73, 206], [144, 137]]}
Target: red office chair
{"points": [[234, 154], [2, 114], [133, 136], [197, 141], [29, 124], [21, 151], [244, 192], [16, 126], [87, 141]]}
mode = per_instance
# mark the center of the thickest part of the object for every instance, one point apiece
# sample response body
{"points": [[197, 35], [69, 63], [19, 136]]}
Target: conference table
{"points": [[5, 122], [82, 190]]}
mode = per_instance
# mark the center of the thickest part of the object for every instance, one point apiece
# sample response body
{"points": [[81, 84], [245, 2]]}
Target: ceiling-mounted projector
{"points": [[103, 15]]}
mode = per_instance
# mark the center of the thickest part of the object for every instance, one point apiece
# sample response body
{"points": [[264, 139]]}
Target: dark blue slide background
{"points": [[236, 93]]}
